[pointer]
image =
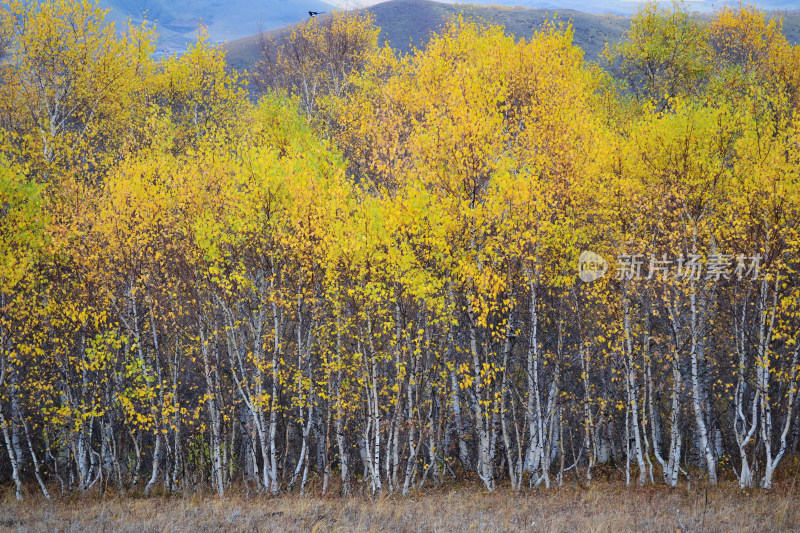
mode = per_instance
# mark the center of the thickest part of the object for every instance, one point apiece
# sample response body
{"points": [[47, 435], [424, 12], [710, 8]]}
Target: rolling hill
{"points": [[177, 21], [409, 23], [404, 22], [619, 7]]}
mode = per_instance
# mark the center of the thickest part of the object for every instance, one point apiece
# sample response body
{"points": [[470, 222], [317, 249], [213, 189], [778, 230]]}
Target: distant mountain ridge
{"points": [[407, 23], [403, 22], [177, 21], [597, 7]]}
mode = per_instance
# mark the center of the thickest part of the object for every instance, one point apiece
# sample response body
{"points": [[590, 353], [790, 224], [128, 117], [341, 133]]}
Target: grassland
{"points": [[605, 506]]}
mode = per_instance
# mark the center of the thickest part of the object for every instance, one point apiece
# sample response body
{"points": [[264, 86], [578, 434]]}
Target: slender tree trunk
{"points": [[742, 429], [535, 458], [463, 451], [632, 390], [214, 415], [588, 421], [514, 475], [12, 457], [772, 462], [483, 416], [341, 438], [156, 462], [699, 400]]}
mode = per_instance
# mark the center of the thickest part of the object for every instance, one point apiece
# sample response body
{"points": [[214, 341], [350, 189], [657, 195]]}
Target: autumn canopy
{"points": [[351, 268]]}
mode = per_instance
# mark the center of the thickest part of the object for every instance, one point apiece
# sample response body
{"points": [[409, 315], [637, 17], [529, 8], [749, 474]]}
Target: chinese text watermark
{"points": [[592, 266]]}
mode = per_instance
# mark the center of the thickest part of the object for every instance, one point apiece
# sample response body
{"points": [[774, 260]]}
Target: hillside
{"points": [[791, 25], [403, 21], [407, 23], [177, 21], [619, 7]]}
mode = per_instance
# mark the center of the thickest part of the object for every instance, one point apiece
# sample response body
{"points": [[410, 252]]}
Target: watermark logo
{"points": [[591, 266]]}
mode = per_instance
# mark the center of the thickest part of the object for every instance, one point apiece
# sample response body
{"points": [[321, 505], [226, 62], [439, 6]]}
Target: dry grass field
{"points": [[602, 507]]}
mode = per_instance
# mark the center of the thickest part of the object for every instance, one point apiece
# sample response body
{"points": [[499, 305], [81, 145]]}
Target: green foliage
{"points": [[22, 226]]}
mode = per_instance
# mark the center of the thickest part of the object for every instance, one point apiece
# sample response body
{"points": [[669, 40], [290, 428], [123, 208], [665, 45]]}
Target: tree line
{"points": [[353, 270]]}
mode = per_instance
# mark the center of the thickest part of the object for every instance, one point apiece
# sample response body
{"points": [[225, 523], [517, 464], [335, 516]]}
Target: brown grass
{"points": [[602, 507]]}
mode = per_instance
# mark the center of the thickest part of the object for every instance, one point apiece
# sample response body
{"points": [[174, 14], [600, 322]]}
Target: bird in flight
{"points": [[315, 13]]}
